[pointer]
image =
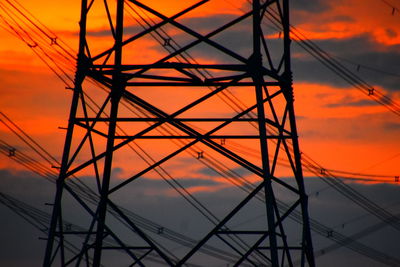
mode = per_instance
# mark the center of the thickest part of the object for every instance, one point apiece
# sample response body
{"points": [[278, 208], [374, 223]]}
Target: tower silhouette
{"points": [[220, 91]]}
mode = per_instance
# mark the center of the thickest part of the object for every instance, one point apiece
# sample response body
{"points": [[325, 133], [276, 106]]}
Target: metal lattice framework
{"points": [[201, 94]]}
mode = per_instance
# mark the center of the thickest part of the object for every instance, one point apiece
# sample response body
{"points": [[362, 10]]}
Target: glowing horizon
{"points": [[317, 104]]}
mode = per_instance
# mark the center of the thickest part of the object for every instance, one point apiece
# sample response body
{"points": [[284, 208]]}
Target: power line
{"points": [[40, 220], [336, 67], [393, 7], [360, 67], [315, 226]]}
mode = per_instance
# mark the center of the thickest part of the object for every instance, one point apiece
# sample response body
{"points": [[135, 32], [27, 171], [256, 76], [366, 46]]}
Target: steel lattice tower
{"points": [[110, 113]]}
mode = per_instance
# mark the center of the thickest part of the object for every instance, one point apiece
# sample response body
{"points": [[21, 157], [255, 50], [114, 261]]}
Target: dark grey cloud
{"points": [[357, 129], [239, 170], [381, 65], [303, 10], [24, 248], [299, 17], [361, 55], [205, 25], [20, 241], [351, 103], [162, 185], [24, 185], [347, 218], [236, 38], [128, 30], [301, 5], [392, 126], [310, 6]]}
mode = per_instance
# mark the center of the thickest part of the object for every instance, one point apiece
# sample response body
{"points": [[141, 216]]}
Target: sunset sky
{"points": [[339, 126]]}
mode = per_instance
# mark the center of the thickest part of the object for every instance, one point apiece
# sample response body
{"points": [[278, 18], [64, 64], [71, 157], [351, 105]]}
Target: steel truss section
{"points": [[120, 101]]}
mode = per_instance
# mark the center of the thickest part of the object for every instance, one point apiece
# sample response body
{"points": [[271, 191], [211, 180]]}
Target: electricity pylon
{"points": [[224, 97]]}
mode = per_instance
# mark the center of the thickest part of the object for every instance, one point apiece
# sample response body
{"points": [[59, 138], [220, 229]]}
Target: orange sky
{"points": [[345, 137], [338, 125], [372, 17]]}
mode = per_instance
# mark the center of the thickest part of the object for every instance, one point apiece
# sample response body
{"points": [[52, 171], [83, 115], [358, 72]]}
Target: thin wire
{"points": [[394, 8]]}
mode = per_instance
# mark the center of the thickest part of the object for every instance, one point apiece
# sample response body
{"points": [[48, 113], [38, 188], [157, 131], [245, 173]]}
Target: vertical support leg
{"points": [[116, 93], [56, 218], [269, 196], [288, 91]]}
